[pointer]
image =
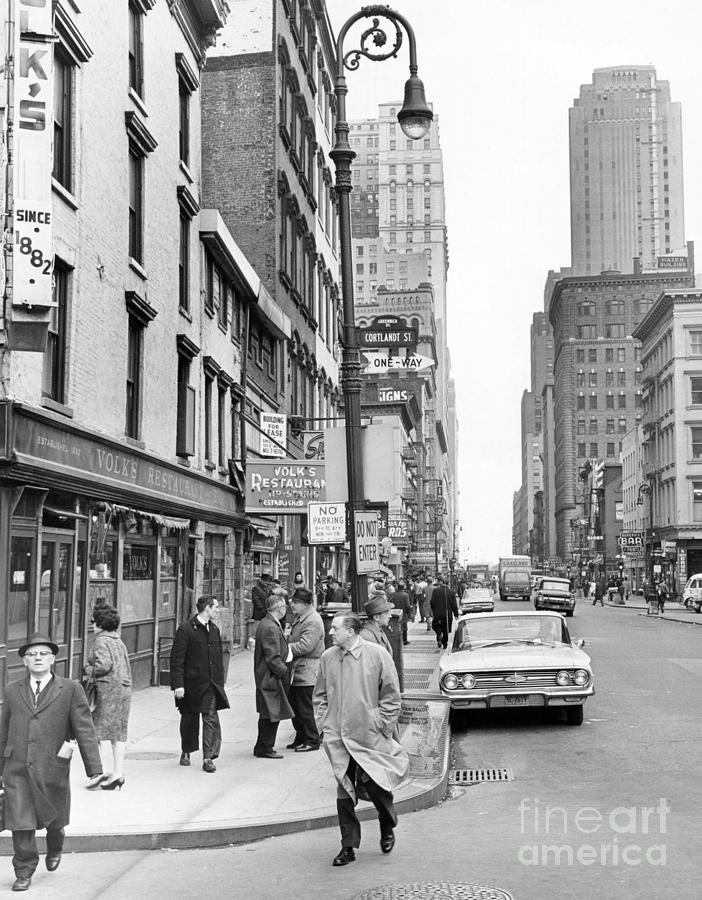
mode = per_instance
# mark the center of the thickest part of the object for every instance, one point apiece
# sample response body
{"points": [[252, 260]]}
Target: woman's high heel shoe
{"points": [[111, 785], [96, 782]]}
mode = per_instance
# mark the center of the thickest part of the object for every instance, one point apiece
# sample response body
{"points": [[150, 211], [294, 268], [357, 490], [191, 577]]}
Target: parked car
{"points": [[554, 593], [692, 593], [476, 600], [514, 660]]}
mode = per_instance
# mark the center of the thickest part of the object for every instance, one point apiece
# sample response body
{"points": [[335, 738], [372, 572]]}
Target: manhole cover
{"points": [[151, 756], [473, 776], [433, 890]]}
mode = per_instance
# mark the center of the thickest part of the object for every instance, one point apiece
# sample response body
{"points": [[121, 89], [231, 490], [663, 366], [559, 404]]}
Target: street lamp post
{"points": [[415, 119]]}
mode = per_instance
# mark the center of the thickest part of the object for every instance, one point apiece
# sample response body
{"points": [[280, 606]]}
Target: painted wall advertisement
{"points": [[283, 488]]}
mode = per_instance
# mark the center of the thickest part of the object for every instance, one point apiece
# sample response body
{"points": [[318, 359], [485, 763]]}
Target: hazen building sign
{"points": [[281, 488]]}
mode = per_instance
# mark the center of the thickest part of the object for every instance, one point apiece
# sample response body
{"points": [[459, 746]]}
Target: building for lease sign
{"points": [[273, 425]]}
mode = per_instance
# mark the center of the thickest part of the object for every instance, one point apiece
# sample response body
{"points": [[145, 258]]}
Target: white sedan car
{"points": [[516, 660]]}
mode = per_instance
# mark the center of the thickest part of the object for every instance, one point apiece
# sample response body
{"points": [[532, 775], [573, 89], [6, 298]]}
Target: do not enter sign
{"points": [[365, 526]]}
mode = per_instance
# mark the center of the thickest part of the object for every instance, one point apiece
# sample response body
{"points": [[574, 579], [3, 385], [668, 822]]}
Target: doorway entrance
{"points": [[55, 595]]}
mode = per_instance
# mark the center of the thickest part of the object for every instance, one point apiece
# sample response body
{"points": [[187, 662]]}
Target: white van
{"points": [[692, 595]]}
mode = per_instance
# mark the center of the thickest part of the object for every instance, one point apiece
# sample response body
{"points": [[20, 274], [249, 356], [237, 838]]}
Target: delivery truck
{"points": [[515, 577]]}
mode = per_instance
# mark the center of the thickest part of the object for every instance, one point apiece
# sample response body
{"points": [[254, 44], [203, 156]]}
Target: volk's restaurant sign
{"points": [[280, 487], [30, 441]]}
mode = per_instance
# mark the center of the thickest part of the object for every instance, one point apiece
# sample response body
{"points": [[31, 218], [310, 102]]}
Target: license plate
{"points": [[516, 701]]}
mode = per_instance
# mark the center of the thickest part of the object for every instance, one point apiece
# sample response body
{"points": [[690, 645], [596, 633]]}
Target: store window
{"points": [[136, 601], [168, 565], [213, 571], [697, 501], [21, 578]]}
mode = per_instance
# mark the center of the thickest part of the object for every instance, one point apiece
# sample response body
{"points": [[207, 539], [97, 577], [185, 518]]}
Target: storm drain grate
{"points": [[474, 776], [416, 679], [434, 890]]}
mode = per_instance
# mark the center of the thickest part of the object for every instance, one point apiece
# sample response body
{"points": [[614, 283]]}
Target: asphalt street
{"points": [[610, 809]]}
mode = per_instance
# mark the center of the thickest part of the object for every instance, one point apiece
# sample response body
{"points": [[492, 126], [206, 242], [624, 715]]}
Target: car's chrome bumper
{"points": [[496, 699]]}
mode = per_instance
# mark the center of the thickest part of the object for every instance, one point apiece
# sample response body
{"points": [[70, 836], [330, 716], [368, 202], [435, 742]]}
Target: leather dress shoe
{"points": [[387, 841], [269, 754], [208, 766], [345, 856], [294, 745], [185, 759], [53, 860], [22, 883], [305, 748]]}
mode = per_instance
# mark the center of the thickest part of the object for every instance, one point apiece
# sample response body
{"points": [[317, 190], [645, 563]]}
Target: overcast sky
{"points": [[501, 75]]}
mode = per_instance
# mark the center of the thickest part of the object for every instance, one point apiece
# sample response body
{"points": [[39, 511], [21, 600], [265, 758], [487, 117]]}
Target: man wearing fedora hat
{"points": [[41, 713], [378, 611]]}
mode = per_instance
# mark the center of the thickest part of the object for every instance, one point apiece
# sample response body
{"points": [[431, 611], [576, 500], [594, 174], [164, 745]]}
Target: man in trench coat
{"points": [[443, 609], [41, 713], [271, 675], [197, 680], [357, 706]]}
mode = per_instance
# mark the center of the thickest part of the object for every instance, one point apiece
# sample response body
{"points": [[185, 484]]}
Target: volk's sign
{"points": [[279, 487]]}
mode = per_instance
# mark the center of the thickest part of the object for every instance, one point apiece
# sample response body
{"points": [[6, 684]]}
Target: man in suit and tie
{"points": [[40, 715]]}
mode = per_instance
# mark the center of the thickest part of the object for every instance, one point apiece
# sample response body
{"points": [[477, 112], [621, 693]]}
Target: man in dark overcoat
{"points": [[40, 715], [197, 679], [271, 675], [401, 600], [443, 609], [260, 592]]}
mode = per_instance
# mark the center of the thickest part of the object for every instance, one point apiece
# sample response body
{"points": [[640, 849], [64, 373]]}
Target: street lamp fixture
{"points": [[415, 119]]}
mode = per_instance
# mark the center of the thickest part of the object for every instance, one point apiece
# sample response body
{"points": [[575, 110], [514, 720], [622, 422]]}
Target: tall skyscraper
{"points": [[626, 176]]}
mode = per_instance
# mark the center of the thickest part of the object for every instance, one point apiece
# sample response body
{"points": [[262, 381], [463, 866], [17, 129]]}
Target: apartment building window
{"points": [[63, 136], [55, 355], [427, 144], [581, 426], [697, 501], [621, 401], [638, 376], [185, 434], [594, 451], [621, 354], [222, 392], [586, 308], [696, 436], [621, 378], [403, 284], [136, 206], [393, 145], [373, 250], [581, 451], [696, 343], [614, 330], [359, 268], [581, 401], [580, 379], [592, 355], [593, 379], [609, 401], [373, 268], [610, 426], [135, 337], [609, 354], [610, 450], [209, 380], [586, 332], [136, 49], [609, 378], [427, 236], [593, 425], [614, 308], [622, 425], [696, 389], [580, 356], [593, 401], [187, 85]]}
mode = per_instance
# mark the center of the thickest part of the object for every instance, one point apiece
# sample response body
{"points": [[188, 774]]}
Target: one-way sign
{"points": [[379, 363]]}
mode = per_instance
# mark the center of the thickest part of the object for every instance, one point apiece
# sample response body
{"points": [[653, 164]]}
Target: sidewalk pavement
{"points": [[165, 805], [674, 611]]}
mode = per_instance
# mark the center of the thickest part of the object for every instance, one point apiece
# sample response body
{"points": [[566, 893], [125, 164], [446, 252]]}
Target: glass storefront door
{"points": [[56, 591]]}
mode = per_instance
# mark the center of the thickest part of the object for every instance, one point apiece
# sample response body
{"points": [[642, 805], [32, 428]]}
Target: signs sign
{"points": [[387, 331], [283, 488], [393, 395], [377, 363], [326, 523], [365, 525], [273, 425]]}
